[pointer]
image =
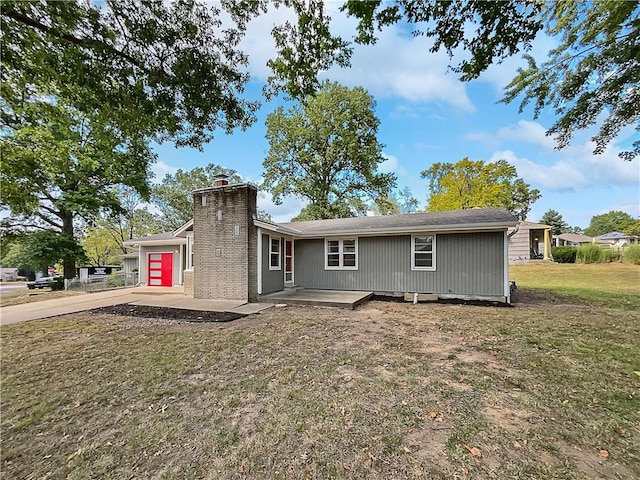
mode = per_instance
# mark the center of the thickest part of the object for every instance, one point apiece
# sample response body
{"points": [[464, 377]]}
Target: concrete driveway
{"points": [[156, 296]]}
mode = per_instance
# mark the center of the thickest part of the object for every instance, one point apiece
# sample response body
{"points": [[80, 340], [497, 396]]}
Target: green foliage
{"points": [[325, 150], [38, 250], [564, 254], [592, 253], [633, 229], [614, 221], [166, 70], [57, 284], [101, 248], [501, 28], [594, 71], [632, 254], [174, 195], [305, 48], [554, 219], [132, 220], [60, 165], [468, 184]]}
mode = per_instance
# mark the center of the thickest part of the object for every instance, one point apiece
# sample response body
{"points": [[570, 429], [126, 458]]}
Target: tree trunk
{"points": [[67, 229]]}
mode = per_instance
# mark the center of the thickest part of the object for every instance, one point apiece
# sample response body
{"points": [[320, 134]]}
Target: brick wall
{"points": [[225, 244], [188, 283]]}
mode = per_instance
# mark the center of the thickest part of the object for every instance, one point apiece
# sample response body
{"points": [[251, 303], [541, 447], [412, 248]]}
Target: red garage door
{"points": [[160, 269]]}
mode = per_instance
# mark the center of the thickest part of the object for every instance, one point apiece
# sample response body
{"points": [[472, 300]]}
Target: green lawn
{"points": [[607, 284], [544, 390]]}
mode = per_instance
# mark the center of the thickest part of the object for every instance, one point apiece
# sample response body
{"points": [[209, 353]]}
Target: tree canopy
{"points": [[613, 221], [325, 150], [554, 219], [468, 184], [158, 69], [60, 165]]}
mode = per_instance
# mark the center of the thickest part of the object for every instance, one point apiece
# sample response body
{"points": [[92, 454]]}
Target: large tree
{"points": [[591, 77], [614, 221], [168, 70], [60, 166], [555, 220], [468, 184], [325, 150], [174, 195]]}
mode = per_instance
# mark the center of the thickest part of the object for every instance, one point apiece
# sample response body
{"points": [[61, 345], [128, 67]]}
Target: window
{"points": [[341, 254], [423, 252], [274, 253]]}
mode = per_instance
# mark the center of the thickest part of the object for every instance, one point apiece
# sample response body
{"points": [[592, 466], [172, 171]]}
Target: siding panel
{"points": [[272, 280], [466, 264]]}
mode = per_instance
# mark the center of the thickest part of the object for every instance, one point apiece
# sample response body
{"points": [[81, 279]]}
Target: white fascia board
{"points": [[151, 243], [276, 228], [183, 228]]}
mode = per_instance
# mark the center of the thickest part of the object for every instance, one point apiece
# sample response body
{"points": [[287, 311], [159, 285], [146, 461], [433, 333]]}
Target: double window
{"points": [[341, 254], [274, 253], [423, 252]]}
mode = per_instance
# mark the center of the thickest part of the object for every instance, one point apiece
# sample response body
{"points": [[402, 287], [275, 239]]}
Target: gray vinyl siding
{"points": [[466, 264], [272, 280], [145, 250]]}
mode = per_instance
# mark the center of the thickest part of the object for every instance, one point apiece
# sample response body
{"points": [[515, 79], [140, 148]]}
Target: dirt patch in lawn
{"points": [[146, 311]]}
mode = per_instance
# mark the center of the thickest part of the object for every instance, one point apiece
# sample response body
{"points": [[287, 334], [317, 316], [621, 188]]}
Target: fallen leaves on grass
{"points": [[474, 451]]}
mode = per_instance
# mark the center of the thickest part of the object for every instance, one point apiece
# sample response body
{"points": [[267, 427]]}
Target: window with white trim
{"points": [[274, 253], [423, 252], [341, 254]]}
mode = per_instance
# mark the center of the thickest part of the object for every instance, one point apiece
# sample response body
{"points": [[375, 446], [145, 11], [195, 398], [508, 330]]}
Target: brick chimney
{"points": [[221, 180], [225, 242]]}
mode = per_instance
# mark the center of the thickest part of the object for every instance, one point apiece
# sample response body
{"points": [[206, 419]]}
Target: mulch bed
{"points": [[144, 311]]}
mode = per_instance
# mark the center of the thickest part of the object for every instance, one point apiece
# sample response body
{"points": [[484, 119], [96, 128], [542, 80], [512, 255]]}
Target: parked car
{"points": [[41, 282]]}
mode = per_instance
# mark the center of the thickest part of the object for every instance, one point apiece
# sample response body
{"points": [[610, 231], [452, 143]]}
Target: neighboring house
{"points": [[225, 252], [571, 240], [9, 274], [616, 239], [529, 241]]}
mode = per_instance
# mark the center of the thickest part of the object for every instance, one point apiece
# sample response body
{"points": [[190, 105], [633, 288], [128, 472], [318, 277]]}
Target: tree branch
{"points": [[81, 42], [49, 221]]}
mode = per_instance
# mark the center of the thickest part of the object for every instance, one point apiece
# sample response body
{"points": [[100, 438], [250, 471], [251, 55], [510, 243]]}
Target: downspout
{"points": [[515, 230]]}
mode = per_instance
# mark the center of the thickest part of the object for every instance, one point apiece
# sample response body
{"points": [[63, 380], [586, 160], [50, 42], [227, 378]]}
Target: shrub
{"points": [[632, 254], [57, 284], [589, 253], [564, 254]]}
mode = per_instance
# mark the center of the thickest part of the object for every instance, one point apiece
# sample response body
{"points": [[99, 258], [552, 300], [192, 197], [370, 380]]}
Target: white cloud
{"points": [[555, 177], [289, 208], [397, 66], [159, 169], [529, 132], [574, 168]]}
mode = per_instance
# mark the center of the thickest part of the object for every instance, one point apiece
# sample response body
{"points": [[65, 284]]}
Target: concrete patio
{"points": [[320, 298]]}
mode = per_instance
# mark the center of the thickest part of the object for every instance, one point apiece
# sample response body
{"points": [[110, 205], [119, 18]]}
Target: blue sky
{"points": [[428, 116]]}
